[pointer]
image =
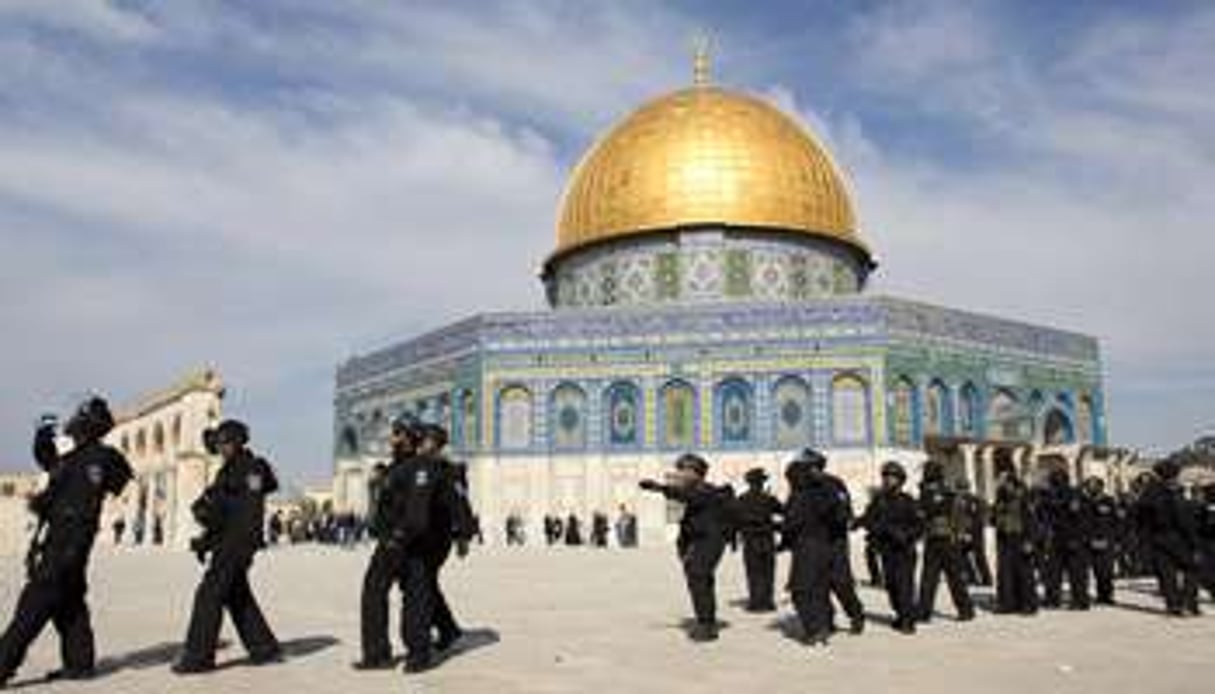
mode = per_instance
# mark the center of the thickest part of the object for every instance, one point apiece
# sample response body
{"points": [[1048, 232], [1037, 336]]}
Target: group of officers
{"points": [[420, 511], [1052, 534]]}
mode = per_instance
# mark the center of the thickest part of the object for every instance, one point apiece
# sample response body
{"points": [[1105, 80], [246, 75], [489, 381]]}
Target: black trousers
{"points": [[1071, 561], [383, 571], [1016, 590], [55, 593], [873, 563], [417, 583], [700, 559], [441, 614], [843, 584], [899, 567], [225, 586], [1102, 562], [759, 559], [941, 556], [810, 586], [1175, 574]]}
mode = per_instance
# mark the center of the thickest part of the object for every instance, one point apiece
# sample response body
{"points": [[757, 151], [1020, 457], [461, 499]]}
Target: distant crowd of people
{"points": [[568, 530]]}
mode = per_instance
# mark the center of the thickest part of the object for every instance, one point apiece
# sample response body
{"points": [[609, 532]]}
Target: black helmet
{"points": [[893, 469], [813, 458], [693, 462], [756, 475], [407, 424], [228, 431], [434, 432], [92, 421], [933, 471], [1167, 469]]}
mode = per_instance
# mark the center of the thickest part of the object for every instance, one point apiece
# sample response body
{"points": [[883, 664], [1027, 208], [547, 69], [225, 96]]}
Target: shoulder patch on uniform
{"points": [[95, 474], [254, 482], [421, 478]]}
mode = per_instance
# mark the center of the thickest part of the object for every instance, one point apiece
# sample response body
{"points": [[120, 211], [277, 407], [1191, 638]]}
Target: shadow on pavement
{"points": [[292, 649]]}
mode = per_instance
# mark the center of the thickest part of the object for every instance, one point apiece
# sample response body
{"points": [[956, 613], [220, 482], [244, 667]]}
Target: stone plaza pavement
{"points": [[584, 620]]}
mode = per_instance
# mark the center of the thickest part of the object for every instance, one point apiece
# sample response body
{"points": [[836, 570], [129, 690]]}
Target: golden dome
{"points": [[705, 155]]}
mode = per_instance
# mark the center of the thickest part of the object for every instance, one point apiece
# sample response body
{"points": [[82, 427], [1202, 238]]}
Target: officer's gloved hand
{"points": [[461, 548], [649, 485]]}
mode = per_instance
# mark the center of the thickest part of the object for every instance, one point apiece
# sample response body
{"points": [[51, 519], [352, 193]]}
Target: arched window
{"points": [[791, 413], [904, 410], [126, 444], [1035, 409], [348, 441], [141, 442], [970, 412], [568, 412], [467, 427], [1004, 416], [938, 414], [677, 413], [158, 438], [849, 410], [1084, 419], [622, 403], [514, 418], [1057, 427], [175, 432], [735, 412]]}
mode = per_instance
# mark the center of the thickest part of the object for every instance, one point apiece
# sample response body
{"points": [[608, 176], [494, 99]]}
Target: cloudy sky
{"points": [[271, 187]]}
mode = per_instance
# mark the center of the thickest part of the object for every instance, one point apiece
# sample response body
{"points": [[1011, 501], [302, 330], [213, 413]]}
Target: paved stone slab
{"points": [[584, 620]]}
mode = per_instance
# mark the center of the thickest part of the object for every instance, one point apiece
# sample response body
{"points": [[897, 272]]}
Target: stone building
{"points": [[707, 293], [161, 435]]}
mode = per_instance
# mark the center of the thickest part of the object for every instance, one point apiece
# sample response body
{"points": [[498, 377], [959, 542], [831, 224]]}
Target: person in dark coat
{"points": [[1068, 513], [813, 514], [1166, 524], [573, 531], [457, 518], [1103, 537], [974, 536], [1205, 533], [843, 584], [943, 521], [756, 513], [1016, 528], [233, 512], [387, 559], [873, 557], [69, 511], [703, 532], [894, 523]]}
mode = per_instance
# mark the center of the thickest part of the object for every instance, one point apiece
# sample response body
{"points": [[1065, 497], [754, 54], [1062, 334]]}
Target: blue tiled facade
{"points": [[835, 372]]}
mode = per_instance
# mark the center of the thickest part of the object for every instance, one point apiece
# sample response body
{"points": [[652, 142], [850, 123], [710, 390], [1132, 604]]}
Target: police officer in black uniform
{"points": [[813, 513], [233, 511], [943, 519], [894, 523], [387, 559], [1166, 524], [69, 511], [1016, 530], [703, 532], [756, 514], [974, 536], [1205, 532], [843, 584], [1067, 512], [456, 516], [1103, 537]]}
